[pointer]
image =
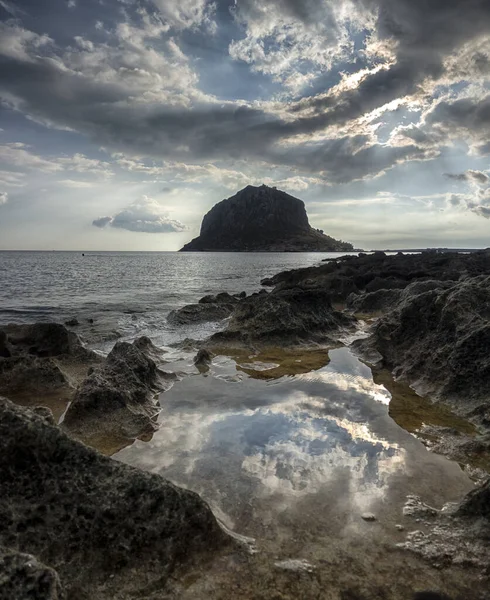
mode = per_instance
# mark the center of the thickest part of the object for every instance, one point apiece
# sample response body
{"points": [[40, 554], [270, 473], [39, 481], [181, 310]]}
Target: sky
{"points": [[122, 122]]}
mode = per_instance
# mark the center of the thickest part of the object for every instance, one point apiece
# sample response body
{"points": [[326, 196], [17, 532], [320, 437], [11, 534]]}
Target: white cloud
{"points": [[75, 183], [3, 198], [19, 155], [12, 178], [19, 43], [82, 164], [184, 14], [144, 215], [293, 43]]}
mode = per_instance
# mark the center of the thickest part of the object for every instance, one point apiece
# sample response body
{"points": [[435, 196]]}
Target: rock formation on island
{"points": [[261, 219]]}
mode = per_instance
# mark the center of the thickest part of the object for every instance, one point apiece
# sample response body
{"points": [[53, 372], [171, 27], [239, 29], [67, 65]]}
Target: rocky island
{"points": [[261, 219]]}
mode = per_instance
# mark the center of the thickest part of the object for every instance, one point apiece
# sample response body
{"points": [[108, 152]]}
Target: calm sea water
{"points": [[128, 293]]}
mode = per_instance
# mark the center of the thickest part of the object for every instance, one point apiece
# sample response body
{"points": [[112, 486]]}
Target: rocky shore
{"points": [[75, 522], [97, 528]]}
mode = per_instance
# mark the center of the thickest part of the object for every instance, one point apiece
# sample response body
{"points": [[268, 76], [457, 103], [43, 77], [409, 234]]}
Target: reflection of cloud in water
{"points": [[297, 454], [246, 443]]}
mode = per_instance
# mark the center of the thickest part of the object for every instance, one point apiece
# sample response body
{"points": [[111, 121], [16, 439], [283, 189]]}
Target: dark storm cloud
{"points": [[423, 32], [207, 132], [466, 117]]}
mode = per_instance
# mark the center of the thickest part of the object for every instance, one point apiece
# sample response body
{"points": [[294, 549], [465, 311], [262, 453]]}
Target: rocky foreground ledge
{"points": [[75, 524]]}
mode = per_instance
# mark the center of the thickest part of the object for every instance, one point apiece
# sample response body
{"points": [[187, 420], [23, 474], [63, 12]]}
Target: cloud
{"points": [[101, 222], [483, 211], [21, 156], [472, 176], [11, 178], [466, 118], [144, 215], [75, 183], [132, 88], [184, 14], [476, 202], [3, 198]]}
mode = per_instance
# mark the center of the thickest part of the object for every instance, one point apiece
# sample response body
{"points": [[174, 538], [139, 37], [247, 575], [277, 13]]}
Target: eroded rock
{"points": [[118, 396], [438, 341], [41, 359], [201, 312], [107, 529], [24, 577], [203, 360], [289, 316]]}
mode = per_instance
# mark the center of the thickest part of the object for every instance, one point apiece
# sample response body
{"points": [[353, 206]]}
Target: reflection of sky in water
{"points": [[327, 433]]}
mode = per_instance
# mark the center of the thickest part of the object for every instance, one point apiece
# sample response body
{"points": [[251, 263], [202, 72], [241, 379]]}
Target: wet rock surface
{"points": [[119, 395], [456, 535], [107, 529], [38, 359], [200, 313], [203, 360], [438, 340], [290, 316]]}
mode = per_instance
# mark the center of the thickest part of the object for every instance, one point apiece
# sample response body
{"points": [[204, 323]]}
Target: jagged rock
{"points": [[28, 374], [36, 359], [118, 395], [209, 308], [438, 340], [221, 298], [381, 300], [261, 219], [286, 316], [4, 351], [385, 299], [148, 347], [108, 529], [43, 340], [203, 360], [45, 413], [24, 577], [476, 504], [369, 273]]}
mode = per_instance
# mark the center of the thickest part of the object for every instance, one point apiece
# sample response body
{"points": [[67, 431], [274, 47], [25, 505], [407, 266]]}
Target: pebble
{"points": [[295, 565], [368, 517], [400, 527]]}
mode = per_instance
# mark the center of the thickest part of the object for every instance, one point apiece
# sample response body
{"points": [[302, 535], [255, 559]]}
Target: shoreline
{"points": [[297, 316]]}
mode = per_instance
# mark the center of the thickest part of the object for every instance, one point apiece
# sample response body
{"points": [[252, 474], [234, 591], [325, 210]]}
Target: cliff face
{"points": [[261, 219]]}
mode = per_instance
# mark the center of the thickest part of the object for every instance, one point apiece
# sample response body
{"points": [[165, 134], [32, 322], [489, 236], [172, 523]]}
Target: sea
{"points": [[122, 295]]}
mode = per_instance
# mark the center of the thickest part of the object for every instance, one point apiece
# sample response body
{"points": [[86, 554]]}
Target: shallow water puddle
{"points": [[295, 463]]}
